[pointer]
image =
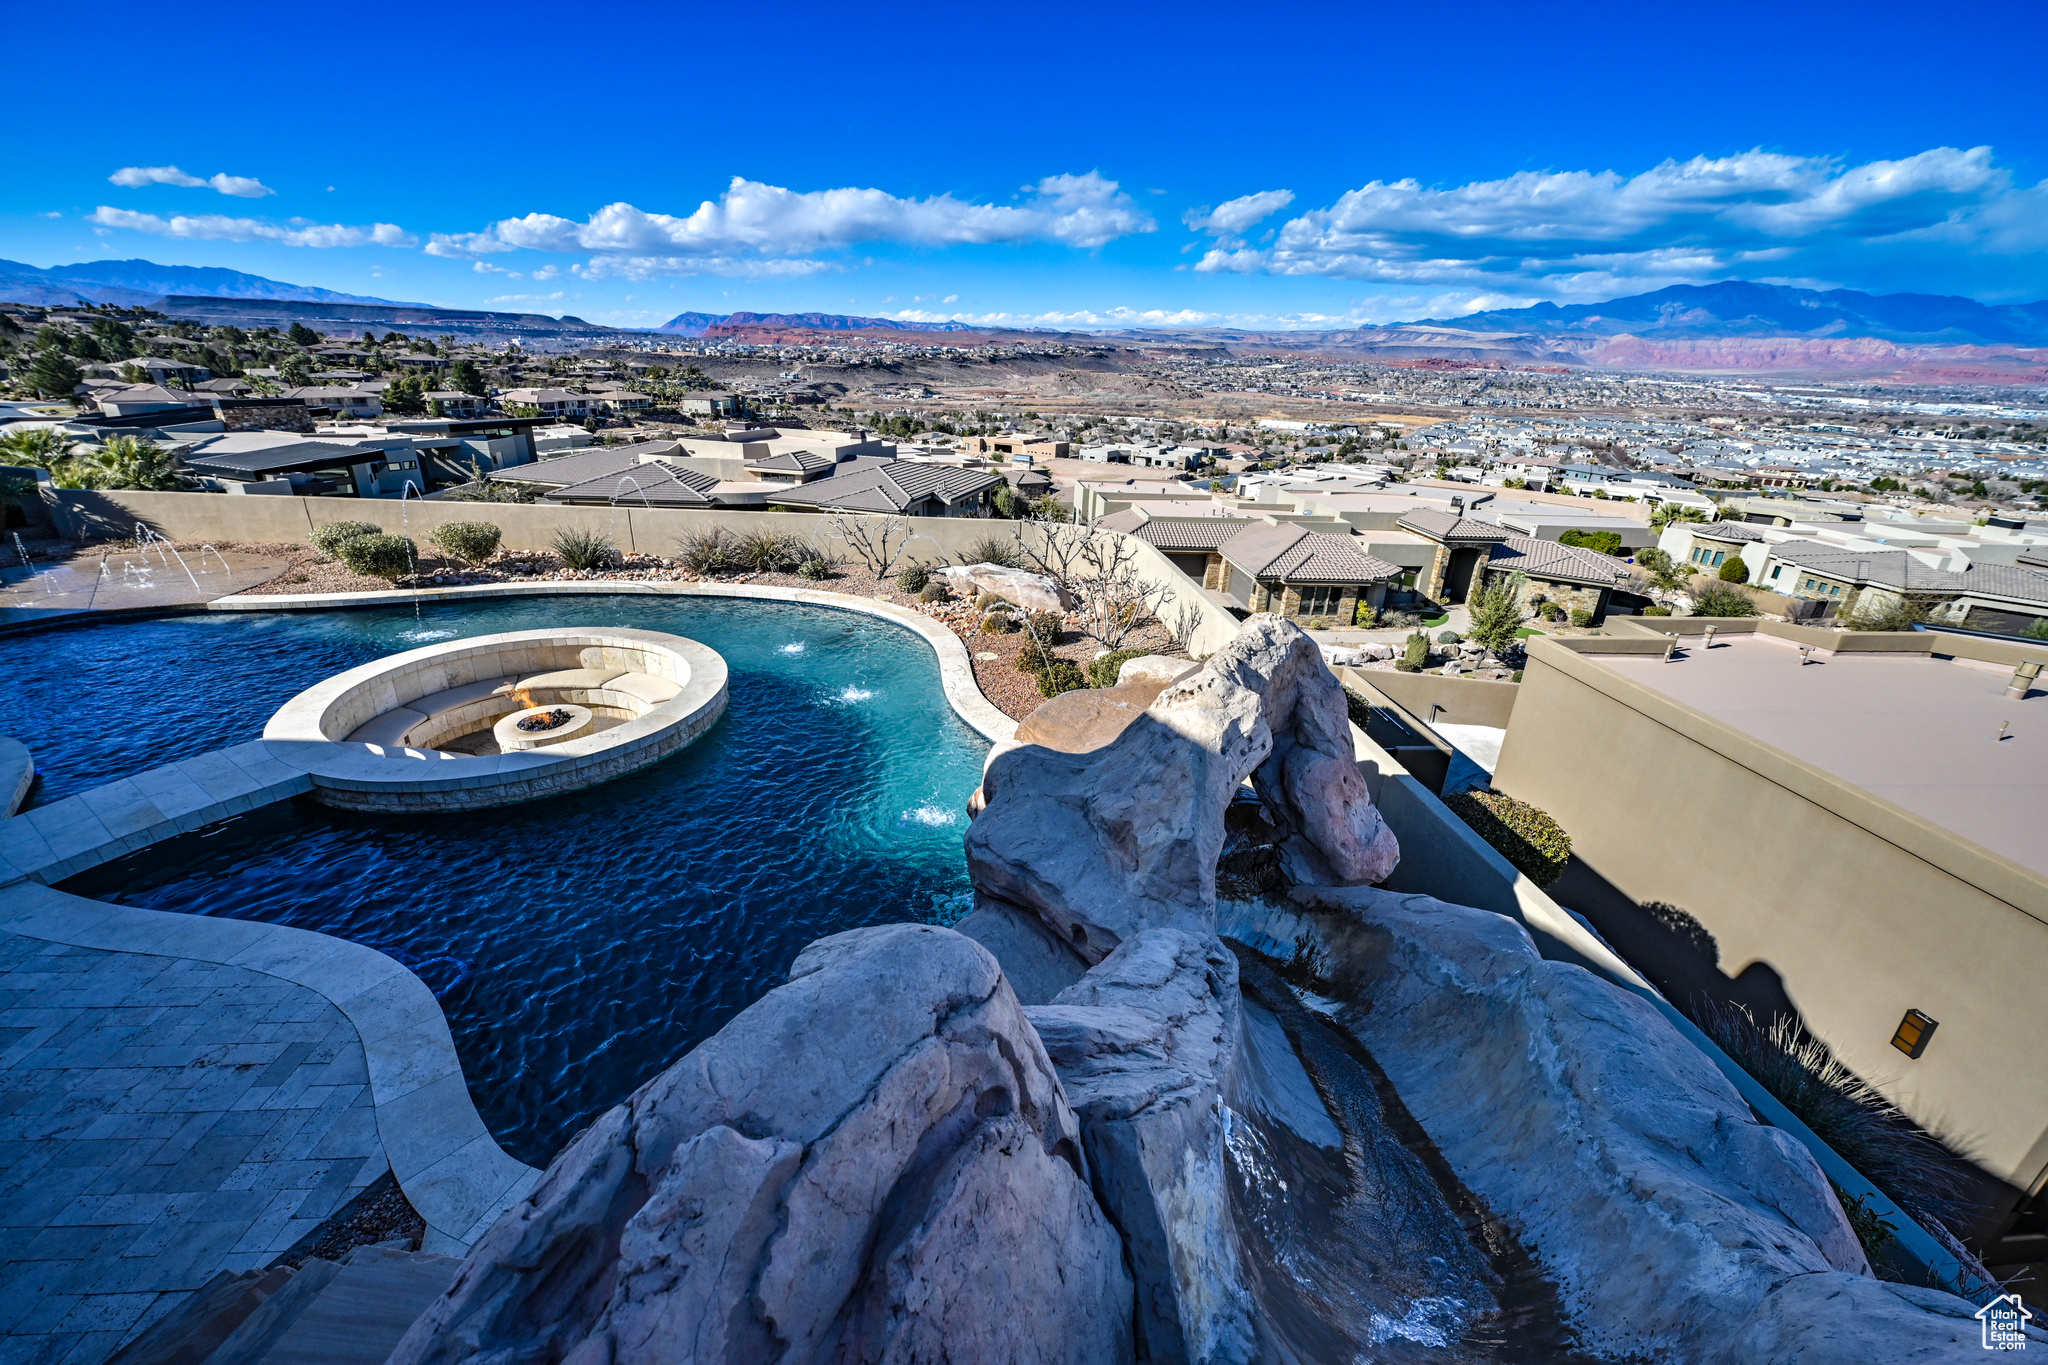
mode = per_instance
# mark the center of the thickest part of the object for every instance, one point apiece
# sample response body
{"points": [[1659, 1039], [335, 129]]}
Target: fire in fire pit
{"points": [[545, 720]]}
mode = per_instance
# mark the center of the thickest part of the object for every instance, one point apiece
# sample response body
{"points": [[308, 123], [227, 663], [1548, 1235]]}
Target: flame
{"points": [[524, 698]]}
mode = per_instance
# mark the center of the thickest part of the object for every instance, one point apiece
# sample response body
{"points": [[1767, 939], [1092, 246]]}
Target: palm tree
{"points": [[38, 447], [124, 462]]}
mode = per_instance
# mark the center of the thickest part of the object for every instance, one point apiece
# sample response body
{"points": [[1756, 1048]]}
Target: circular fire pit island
{"points": [[499, 719]]}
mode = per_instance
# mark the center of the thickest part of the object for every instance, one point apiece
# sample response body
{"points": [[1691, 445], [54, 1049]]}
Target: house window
{"points": [[1321, 601], [1719, 555]]}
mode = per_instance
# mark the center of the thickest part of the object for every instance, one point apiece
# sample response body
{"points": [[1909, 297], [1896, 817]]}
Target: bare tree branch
{"points": [[877, 542]]}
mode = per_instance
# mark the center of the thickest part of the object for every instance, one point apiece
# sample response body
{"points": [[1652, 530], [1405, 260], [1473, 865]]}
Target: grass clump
{"points": [[997, 550], [472, 542], [1534, 843], [709, 551], [379, 556], [329, 539], [1718, 600], [584, 550]]}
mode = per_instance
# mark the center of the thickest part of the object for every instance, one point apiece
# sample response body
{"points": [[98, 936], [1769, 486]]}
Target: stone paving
{"points": [[161, 1119], [121, 581]]}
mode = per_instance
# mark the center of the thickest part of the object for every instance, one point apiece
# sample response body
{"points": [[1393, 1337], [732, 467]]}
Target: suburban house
{"points": [[550, 402], [710, 403], [1467, 551], [652, 483], [618, 398], [2003, 599], [1297, 572], [1023, 449], [134, 398], [1188, 535], [457, 404], [903, 487], [1706, 545], [345, 402], [311, 467], [163, 371]]}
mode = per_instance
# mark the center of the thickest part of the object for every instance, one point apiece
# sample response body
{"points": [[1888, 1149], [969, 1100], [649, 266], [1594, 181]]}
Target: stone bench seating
{"points": [[615, 692]]}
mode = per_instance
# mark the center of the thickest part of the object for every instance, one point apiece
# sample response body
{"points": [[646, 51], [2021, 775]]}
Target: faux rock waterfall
{"points": [[1366, 1127]]}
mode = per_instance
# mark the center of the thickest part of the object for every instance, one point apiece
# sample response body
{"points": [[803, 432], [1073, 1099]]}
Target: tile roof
{"points": [[1295, 554], [792, 461], [561, 471], [1189, 533], [1725, 530], [655, 483], [1904, 572], [1449, 526], [888, 486], [1549, 559]]}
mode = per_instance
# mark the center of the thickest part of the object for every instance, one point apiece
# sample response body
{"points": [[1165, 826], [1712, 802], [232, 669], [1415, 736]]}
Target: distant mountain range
{"points": [[701, 324], [1735, 308], [132, 283]]}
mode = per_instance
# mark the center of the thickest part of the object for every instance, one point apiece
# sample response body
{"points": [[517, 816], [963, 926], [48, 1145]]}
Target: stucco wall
{"points": [[1862, 909]]}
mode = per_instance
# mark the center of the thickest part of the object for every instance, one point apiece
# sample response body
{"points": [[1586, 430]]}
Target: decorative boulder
{"points": [[1103, 844], [873, 1162], [1143, 1044], [1149, 669], [1031, 591]]}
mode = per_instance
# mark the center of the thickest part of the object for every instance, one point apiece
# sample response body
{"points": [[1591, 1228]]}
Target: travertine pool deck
{"points": [[161, 1119]]}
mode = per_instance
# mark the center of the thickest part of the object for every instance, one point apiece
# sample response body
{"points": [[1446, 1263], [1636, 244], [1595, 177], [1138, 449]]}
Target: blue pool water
{"points": [[579, 944]]}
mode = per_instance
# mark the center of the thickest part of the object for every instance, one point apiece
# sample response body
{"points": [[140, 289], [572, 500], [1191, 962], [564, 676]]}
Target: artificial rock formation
{"points": [[1144, 1044], [1019, 587], [874, 1162], [1671, 1220], [1103, 844]]}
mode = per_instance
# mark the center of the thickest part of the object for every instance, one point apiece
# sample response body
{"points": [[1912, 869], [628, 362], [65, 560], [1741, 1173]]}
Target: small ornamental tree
{"points": [[1735, 569], [1496, 612]]}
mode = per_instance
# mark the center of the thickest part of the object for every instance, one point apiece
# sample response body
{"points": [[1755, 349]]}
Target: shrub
{"points": [[997, 623], [1415, 654], [329, 539], [584, 550], [1734, 569], [932, 592], [1000, 550], [1656, 611], [1447, 637], [1033, 658], [1606, 542], [1496, 612], [765, 550], [1891, 613], [1102, 672], [1582, 617], [1366, 617], [1552, 611], [913, 578], [472, 542], [814, 569], [379, 556], [1532, 841], [1045, 625], [1715, 600], [706, 551], [1059, 676]]}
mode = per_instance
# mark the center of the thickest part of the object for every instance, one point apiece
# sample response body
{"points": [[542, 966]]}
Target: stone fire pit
{"points": [[539, 726]]}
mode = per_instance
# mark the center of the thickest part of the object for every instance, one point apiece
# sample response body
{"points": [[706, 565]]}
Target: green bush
{"points": [[765, 550], [1552, 611], [1888, 613], [584, 550], [932, 592], [1046, 626], [1715, 600], [1102, 672], [814, 569], [913, 578], [1415, 654], [998, 623], [1606, 542], [472, 542], [1532, 841], [329, 539], [1447, 637], [706, 551], [1656, 611], [1582, 617], [1366, 617], [1059, 676], [379, 556], [1032, 658], [1734, 569]]}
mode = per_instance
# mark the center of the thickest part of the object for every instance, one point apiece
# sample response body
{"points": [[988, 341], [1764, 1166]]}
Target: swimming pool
{"points": [[578, 944]]}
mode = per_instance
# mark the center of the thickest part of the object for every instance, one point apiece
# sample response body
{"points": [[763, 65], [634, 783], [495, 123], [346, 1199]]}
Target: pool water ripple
{"points": [[579, 944]]}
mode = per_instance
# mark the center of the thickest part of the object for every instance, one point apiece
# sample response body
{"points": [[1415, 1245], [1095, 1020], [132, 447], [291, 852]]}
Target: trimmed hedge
{"points": [[329, 539], [379, 556], [1536, 844]]}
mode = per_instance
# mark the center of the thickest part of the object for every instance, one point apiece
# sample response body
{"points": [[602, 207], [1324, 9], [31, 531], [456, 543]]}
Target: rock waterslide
{"points": [[1180, 1155]]}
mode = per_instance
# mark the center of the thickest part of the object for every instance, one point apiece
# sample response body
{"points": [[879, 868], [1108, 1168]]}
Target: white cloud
{"points": [[527, 298], [771, 227], [217, 227], [1230, 218], [1585, 234], [240, 186]]}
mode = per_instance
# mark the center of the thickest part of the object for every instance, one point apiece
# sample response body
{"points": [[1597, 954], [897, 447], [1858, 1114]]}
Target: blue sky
{"points": [[1052, 164]]}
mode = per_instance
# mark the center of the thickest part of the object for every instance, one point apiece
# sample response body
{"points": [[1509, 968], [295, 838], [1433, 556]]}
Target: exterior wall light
{"points": [[1914, 1031]]}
